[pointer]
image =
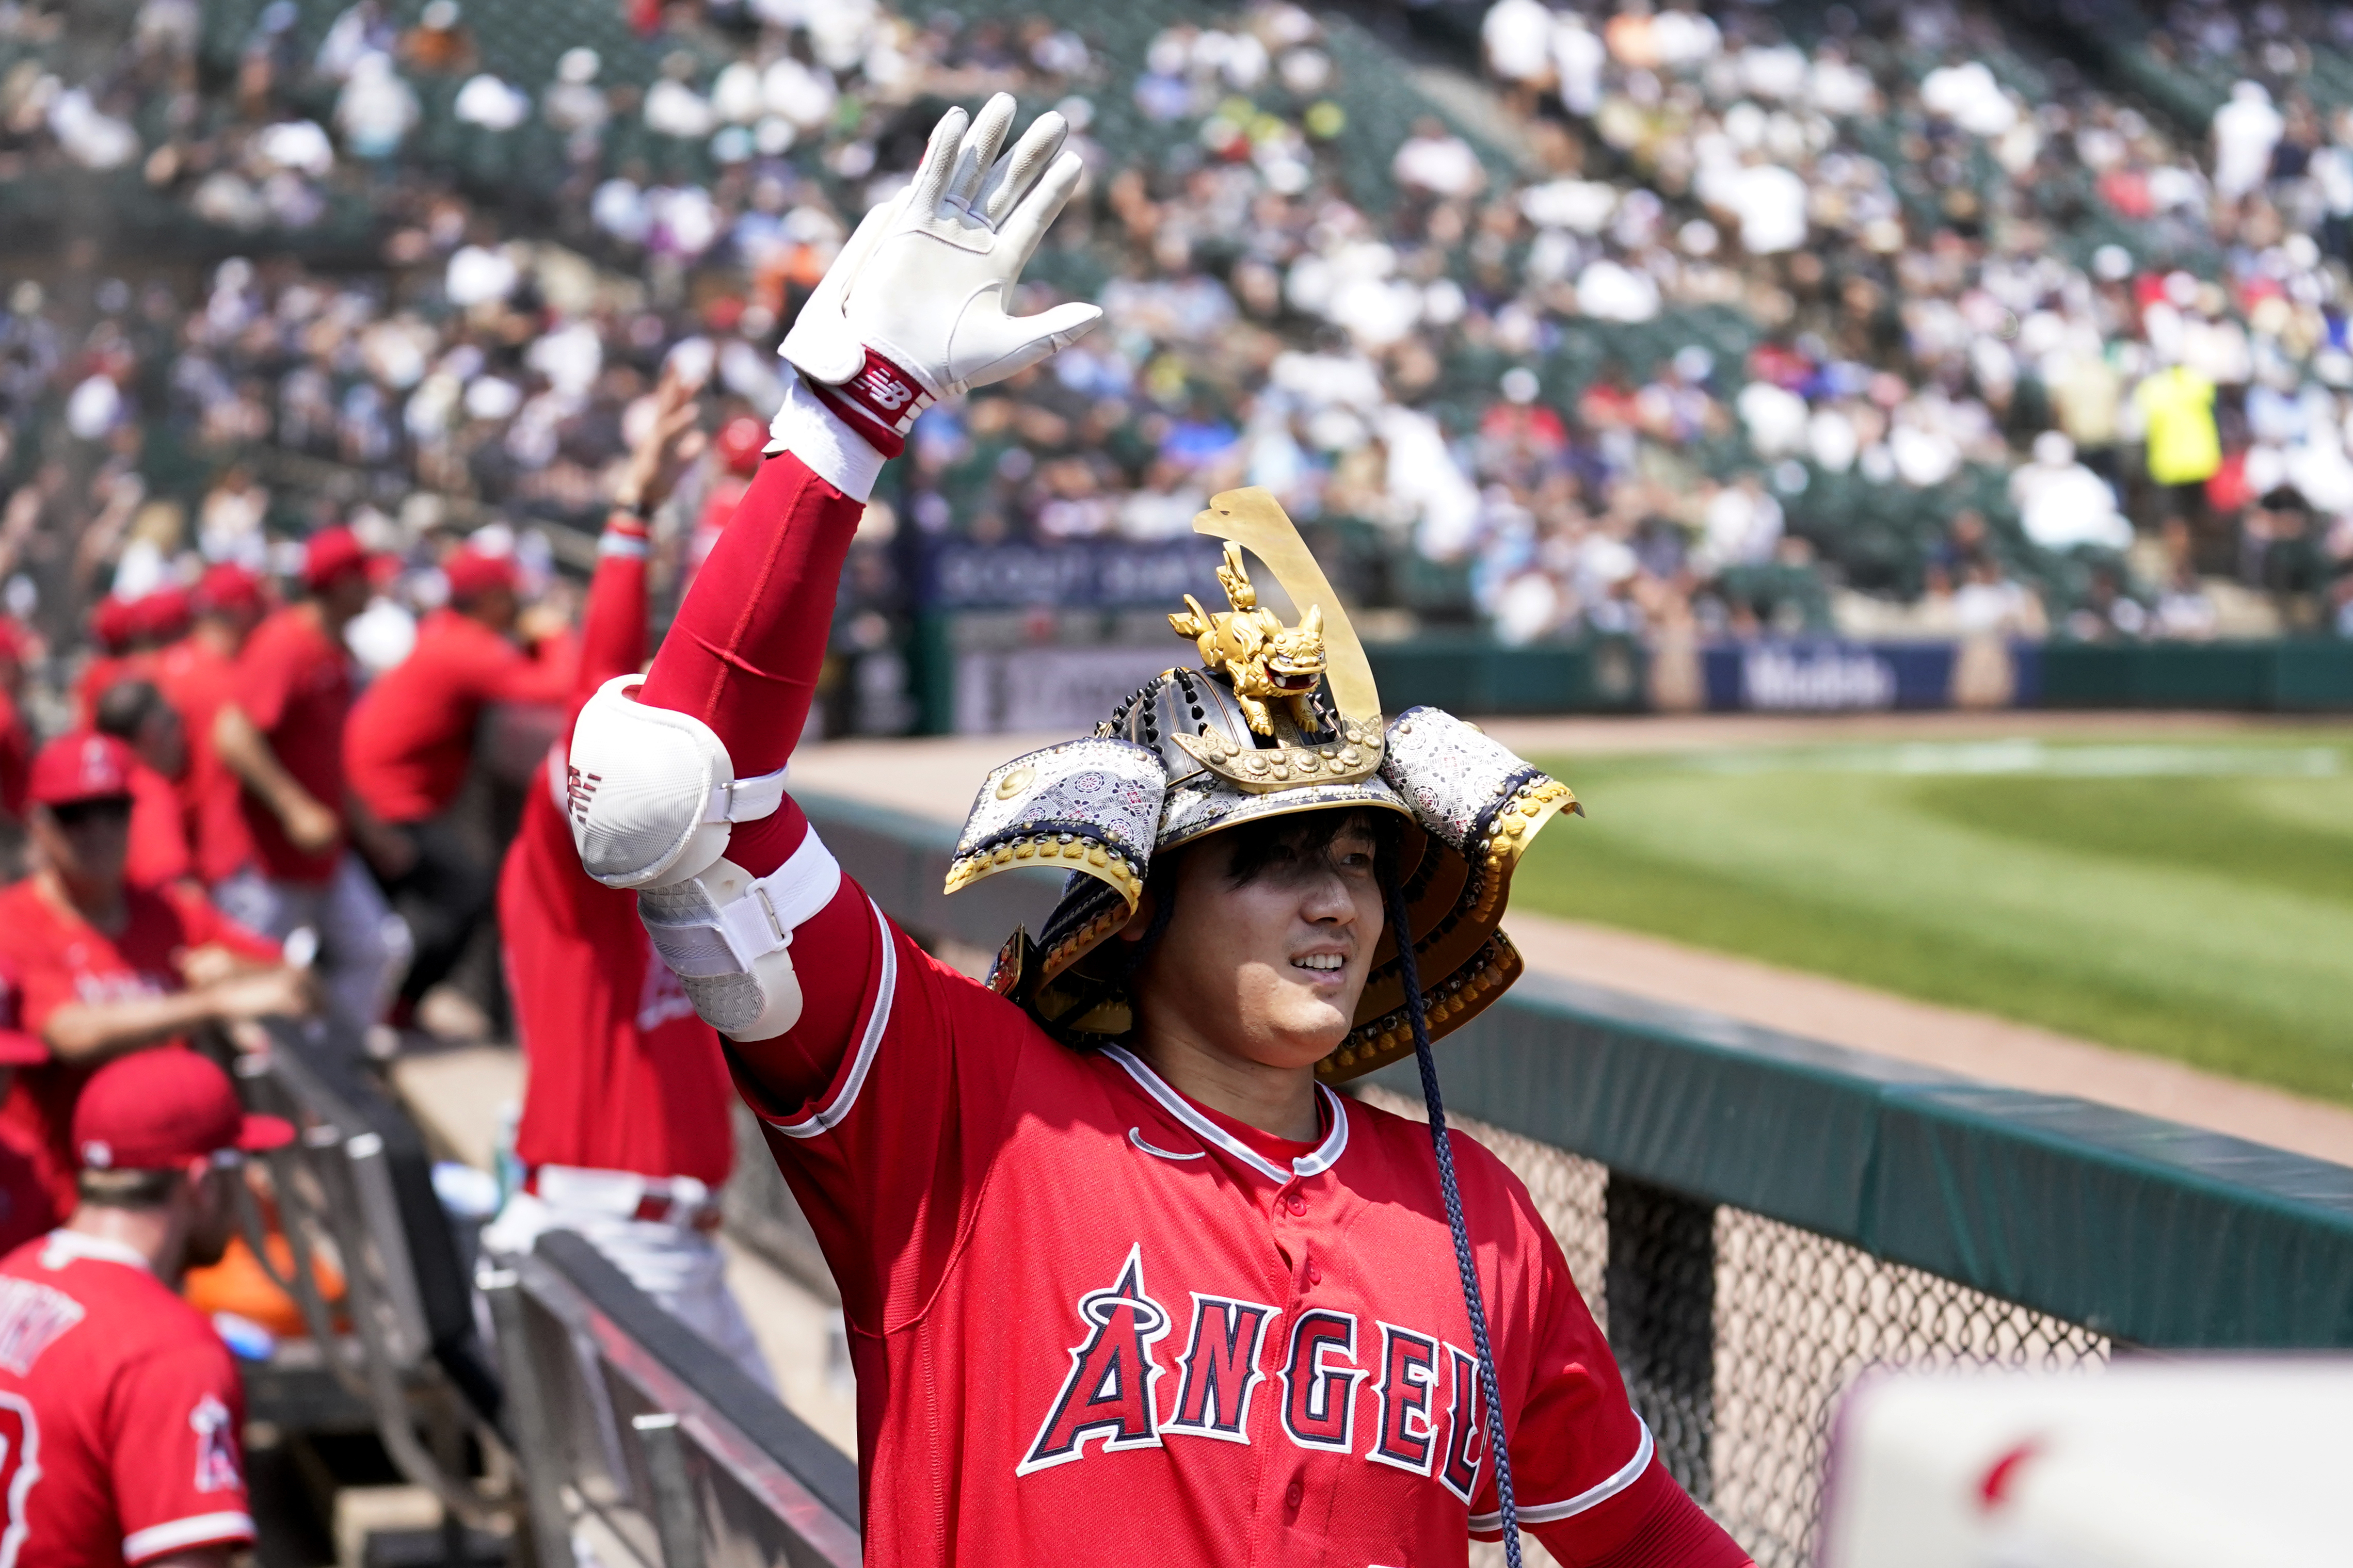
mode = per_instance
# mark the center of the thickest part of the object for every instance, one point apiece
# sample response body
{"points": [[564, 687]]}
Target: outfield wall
{"points": [[1003, 678]]}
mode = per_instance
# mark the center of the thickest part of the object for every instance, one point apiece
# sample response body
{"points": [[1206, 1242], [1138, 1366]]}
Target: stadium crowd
{"points": [[1731, 319]]}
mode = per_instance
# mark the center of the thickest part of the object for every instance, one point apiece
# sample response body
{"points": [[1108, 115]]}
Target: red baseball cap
{"points": [[112, 622], [84, 765], [227, 588], [740, 442], [330, 552], [156, 1108], [471, 572], [161, 617]]}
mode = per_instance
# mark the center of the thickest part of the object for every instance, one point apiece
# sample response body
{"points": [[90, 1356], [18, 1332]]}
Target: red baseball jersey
{"points": [[159, 837], [58, 957], [15, 757], [294, 682], [1094, 1321], [412, 734], [27, 1207], [196, 678], [121, 1413], [623, 1075], [1131, 1317]]}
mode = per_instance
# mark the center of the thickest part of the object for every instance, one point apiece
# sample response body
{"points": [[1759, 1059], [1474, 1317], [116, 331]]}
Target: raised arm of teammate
{"points": [[913, 310]]}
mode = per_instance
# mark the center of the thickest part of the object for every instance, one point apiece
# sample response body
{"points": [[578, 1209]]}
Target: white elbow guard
{"points": [[727, 935], [651, 794]]}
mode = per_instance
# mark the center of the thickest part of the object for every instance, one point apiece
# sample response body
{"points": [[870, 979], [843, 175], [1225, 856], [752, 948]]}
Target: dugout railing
{"points": [[640, 1443], [1758, 1219], [604, 1425]]}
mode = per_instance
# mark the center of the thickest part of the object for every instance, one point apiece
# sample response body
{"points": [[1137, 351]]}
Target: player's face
{"points": [[85, 841], [1268, 969]]}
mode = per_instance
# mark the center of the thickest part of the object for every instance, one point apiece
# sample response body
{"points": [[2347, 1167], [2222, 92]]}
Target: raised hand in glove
{"points": [[914, 308]]}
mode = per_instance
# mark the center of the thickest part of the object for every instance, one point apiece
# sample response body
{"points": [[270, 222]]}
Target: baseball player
{"points": [[122, 1416], [625, 1136], [103, 966], [1125, 1277]]}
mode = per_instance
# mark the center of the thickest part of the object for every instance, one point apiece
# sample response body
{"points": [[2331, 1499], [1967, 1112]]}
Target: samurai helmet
{"points": [[1277, 720]]}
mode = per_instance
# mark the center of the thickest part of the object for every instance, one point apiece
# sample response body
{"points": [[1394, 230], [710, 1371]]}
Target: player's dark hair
{"points": [[1254, 849], [127, 1189], [124, 707]]}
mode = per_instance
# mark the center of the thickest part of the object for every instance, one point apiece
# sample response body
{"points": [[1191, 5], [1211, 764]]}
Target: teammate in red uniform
{"points": [[105, 967], [281, 734], [131, 635], [122, 1416], [17, 647], [411, 743], [198, 674], [1122, 1277], [27, 1208], [625, 1136], [135, 712]]}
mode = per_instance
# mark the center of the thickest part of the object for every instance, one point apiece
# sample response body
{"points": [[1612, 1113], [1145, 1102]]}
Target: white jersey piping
{"points": [[826, 1117], [1591, 1497], [196, 1530], [1314, 1164]]}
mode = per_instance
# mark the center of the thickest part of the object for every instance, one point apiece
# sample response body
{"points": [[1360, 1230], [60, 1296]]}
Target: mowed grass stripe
{"points": [[2078, 904]]}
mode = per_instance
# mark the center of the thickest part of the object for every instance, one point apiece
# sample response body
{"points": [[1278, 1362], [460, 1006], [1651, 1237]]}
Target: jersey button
{"points": [[1314, 1275], [1296, 1204], [1292, 1495]]}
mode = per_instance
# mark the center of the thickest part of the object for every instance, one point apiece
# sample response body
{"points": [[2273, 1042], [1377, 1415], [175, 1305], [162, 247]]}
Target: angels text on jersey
{"points": [[1141, 1376]]}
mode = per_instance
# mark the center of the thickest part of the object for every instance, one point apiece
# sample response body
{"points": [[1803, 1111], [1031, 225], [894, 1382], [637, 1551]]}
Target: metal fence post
{"points": [[675, 1524], [534, 1434], [1661, 1288]]}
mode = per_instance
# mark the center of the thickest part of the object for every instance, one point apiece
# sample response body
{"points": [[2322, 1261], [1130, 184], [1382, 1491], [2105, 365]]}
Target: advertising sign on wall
{"points": [[1827, 675]]}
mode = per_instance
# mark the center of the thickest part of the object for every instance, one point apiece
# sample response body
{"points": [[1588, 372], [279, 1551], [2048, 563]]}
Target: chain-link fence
{"points": [[1737, 1334]]}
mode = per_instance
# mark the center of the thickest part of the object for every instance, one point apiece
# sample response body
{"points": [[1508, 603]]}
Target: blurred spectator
{"points": [[281, 734], [2062, 503], [2247, 128]]}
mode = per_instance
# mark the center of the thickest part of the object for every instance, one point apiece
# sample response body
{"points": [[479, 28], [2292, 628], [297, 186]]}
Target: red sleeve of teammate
{"points": [[266, 674], [546, 674], [1586, 1475], [174, 1437], [205, 926]]}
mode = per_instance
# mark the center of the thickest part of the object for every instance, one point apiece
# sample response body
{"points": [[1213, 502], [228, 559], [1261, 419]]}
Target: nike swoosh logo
{"points": [[1135, 1136]]}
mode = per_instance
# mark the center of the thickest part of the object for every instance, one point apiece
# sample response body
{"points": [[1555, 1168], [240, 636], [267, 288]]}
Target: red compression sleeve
{"points": [[613, 629], [746, 651], [1651, 1524]]}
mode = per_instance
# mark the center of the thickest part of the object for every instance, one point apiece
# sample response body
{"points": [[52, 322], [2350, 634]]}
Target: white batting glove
{"points": [[914, 308]]}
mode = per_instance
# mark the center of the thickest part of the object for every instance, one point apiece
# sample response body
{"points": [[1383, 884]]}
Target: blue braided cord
{"points": [[1409, 971]]}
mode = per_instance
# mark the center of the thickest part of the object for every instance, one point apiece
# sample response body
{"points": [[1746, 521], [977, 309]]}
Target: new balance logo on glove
{"points": [[884, 388]]}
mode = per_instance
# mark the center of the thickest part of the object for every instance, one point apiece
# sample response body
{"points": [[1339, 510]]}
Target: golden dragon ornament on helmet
{"points": [[1279, 719]]}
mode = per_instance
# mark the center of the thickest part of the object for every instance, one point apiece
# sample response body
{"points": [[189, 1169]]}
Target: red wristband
{"points": [[881, 402]]}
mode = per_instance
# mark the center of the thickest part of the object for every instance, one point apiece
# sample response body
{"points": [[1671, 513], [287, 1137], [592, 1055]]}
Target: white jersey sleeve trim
{"points": [[827, 447], [1325, 1155], [178, 1535], [1591, 1497], [826, 1117]]}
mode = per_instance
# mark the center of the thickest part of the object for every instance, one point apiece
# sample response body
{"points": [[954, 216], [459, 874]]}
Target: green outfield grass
{"points": [[2188, 900]]}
